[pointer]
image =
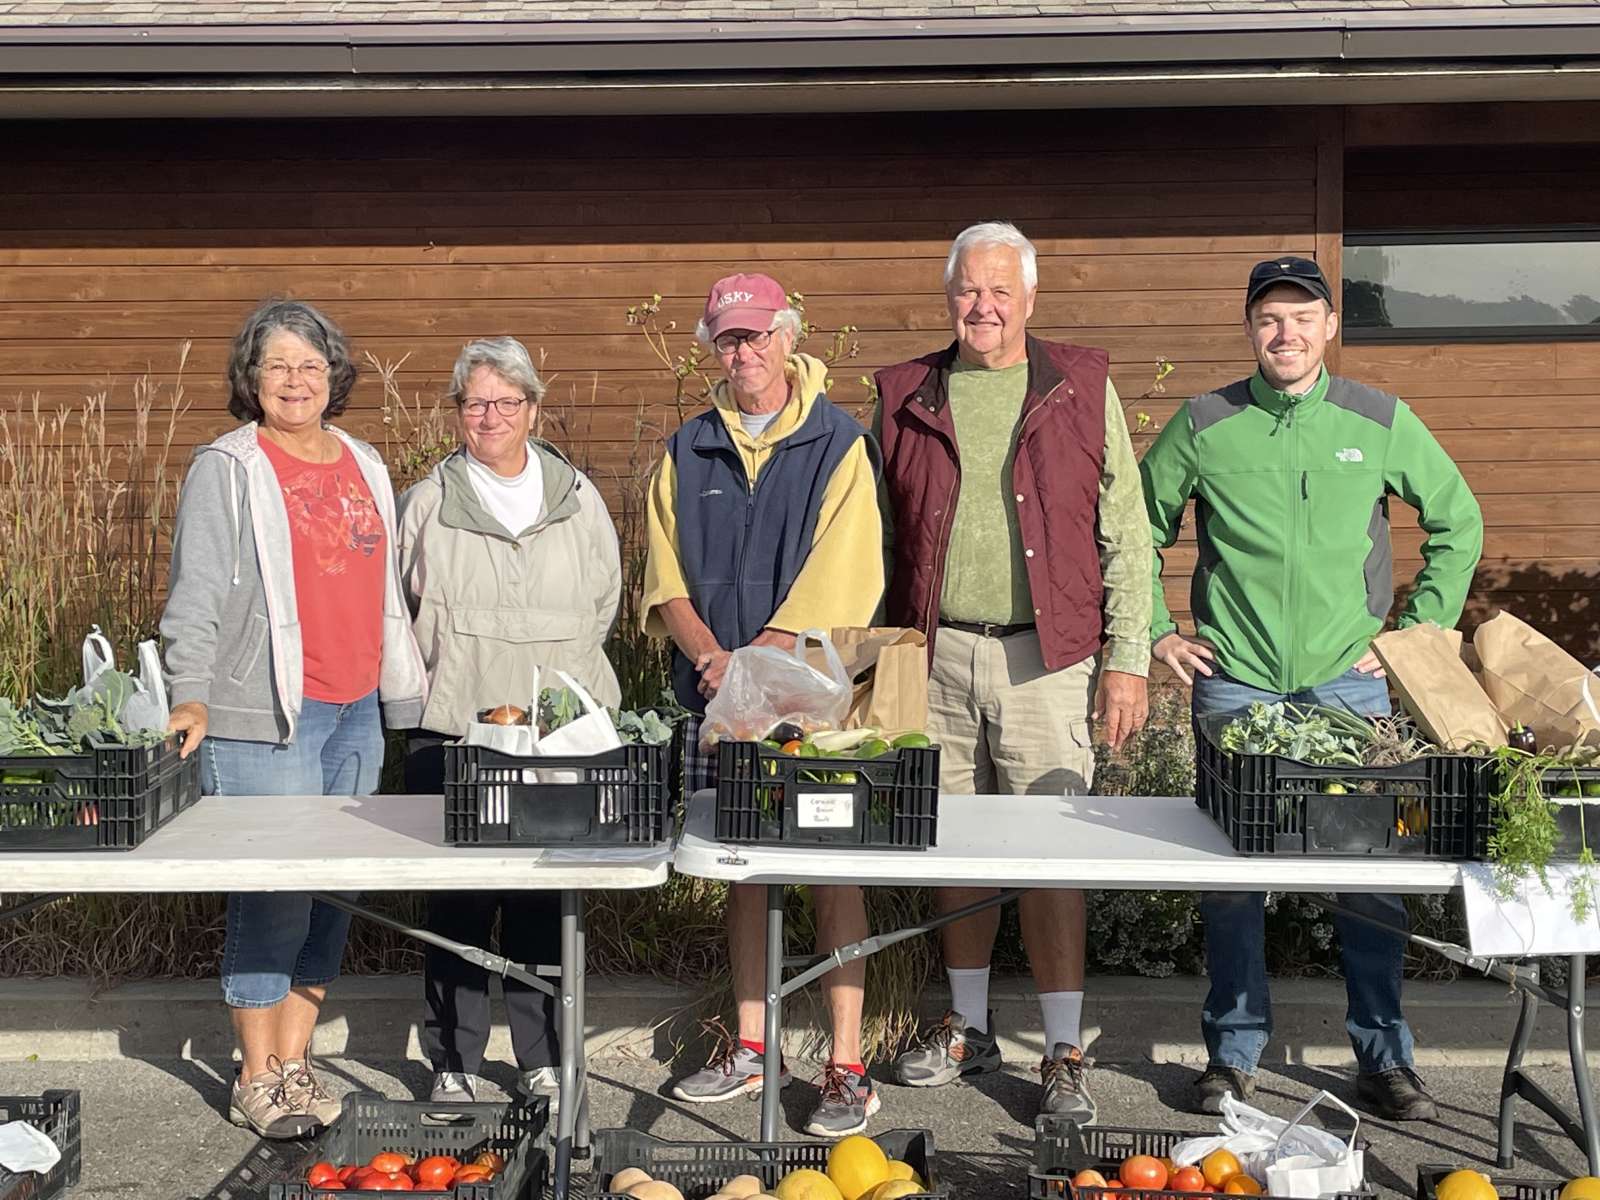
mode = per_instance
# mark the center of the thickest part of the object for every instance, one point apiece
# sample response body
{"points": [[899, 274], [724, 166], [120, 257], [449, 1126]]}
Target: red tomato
{"points": [[393, 1181], [473, 1175], [1143, 1171], [320, 1173], [1087, 1178], [345, 1173], [389, 1162], [436, 1171], [491, 1160], [1187, 1179]]}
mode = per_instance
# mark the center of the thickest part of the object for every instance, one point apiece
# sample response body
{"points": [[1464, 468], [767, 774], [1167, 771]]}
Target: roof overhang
{"points": [[1349, 56]]}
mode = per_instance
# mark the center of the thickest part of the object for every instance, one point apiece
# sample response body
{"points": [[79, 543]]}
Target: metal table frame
{"points": [[1154, 854], [366, 855]]}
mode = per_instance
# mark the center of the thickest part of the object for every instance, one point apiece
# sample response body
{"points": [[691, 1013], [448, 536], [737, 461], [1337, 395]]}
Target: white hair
{"points": [[507, 358], [994, 233], [784, 320]]}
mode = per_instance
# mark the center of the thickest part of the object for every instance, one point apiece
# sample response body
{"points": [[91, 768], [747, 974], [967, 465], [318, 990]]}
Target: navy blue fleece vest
{"points": [[741, 549]]}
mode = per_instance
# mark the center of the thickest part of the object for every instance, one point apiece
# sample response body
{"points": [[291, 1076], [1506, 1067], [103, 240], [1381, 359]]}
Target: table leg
{"points": [[571, 1042], [1527, 1018], [1576, 966], [772, 1064], [580, 1120]]}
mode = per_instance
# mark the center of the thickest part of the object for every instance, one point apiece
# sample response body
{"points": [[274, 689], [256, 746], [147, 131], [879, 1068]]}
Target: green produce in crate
{"points": [[911, 741]]}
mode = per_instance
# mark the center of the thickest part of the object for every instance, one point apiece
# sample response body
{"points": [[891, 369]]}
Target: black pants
{"points": [[456, 1031]]}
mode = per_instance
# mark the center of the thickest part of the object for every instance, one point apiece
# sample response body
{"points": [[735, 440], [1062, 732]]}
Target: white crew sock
{"points": [[969, 995], [1063, 1013]]}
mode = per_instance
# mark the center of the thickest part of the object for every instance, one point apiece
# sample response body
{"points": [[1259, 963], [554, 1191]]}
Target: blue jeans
{"points": [[1237, 1017], [279, 940]]}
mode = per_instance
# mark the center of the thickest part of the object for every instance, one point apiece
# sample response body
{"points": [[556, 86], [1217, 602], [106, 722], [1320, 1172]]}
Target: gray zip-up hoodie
{"points": [[232, 621]]}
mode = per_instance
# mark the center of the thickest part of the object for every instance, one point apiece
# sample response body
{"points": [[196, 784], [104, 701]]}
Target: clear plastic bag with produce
{"points": [[764, 686]]}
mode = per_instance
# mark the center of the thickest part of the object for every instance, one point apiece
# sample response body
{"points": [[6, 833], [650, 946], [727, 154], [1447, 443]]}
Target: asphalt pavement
{"points": [[156, 1129]]}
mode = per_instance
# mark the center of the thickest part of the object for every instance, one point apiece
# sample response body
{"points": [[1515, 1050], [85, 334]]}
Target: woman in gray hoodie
{"points": [[285, 625]]}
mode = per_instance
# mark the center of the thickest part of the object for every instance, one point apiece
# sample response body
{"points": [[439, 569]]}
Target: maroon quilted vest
{"points": [[1056, 473]]}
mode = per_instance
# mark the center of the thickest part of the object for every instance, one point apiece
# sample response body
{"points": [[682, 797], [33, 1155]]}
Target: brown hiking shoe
{"points": [[271, 1104], [313, 1097]]}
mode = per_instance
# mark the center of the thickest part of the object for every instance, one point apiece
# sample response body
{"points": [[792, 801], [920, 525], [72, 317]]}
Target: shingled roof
{"points": [[388, 12]]}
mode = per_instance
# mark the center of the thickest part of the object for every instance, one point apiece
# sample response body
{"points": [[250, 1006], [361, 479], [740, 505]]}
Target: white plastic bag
{"points": [[25, 1148], [1286, 1157], [592, 733], [97, 655], [765, 685], [147, 708]]}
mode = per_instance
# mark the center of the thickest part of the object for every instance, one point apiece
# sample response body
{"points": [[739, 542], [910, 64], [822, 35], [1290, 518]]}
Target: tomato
{"points": [[1089, 1179], [436, 1171], [320, 1173], [1219, 1166], [1241, 1185], [388, 1181], [1187, 1179], [346, 1172], [491, 1160], [1143, 1171], [473, 1175], [389, 1162]]}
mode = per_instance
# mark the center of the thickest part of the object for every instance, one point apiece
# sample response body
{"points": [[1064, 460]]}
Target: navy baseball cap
{"points": [[1301, 272]]}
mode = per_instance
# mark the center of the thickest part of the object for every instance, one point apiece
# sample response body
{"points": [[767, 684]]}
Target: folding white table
{"points": [[364, 844], [1016, 843]]}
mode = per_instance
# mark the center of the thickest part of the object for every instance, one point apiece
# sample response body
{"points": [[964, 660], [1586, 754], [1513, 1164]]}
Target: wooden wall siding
{"points": [[1522, 418], [123, 239], [120, 240]]}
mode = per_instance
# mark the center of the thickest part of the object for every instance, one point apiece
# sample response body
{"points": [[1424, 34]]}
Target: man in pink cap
{"points": [[763, 522]]}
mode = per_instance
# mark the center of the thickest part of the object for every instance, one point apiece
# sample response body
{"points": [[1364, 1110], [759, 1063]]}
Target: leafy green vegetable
{"points": [[1525, 832], [652, 726], [77, 721]]}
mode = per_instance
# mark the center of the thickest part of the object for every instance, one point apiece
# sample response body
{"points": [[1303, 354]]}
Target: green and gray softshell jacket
{"points": [[1295, 572]]}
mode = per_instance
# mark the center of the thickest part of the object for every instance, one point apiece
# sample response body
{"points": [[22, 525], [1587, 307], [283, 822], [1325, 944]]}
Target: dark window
{"points": [[1462, 286]]}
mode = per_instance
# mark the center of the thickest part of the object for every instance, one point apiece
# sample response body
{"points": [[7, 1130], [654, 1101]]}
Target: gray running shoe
{"points": [[1066, 1085], [313, 1095], [541, 1081], [848, 1100], [271, 1105], [948, 1051], [454, 1087], [733, 1070]]}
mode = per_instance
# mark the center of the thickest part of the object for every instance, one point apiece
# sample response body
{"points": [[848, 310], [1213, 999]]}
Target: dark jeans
{"points": [[456, 1029], [1237, 1017]]}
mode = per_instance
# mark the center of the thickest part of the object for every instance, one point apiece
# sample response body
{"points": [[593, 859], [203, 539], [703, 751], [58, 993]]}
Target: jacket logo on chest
{"points": [[710, 492], [1351, 454]]}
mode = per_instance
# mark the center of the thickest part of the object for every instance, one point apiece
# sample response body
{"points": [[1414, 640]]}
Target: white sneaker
{"points": [[454, 1087], [541, 1081]]}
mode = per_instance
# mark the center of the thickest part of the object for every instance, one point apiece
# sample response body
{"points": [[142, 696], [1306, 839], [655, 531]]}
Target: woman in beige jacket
{"points": [[509, 562]]}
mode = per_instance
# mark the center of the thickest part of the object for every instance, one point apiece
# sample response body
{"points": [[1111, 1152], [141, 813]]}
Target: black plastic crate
{"points": [[1429, 808], [618, 797], [107, 798], [1062, 1148], [887, 803], [56, 1115], [699, 1169], [1507, 1188], [371, 1124]]}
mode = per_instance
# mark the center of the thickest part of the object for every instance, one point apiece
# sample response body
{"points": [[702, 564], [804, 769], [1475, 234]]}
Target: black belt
{"points": [[988, 630]]}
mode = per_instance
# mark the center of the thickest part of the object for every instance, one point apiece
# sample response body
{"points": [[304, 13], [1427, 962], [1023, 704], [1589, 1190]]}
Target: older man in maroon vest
{"points": [[1021, 548]]}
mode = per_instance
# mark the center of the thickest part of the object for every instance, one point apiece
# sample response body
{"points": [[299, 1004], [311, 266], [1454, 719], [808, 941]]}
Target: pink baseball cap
{"points": [[744, 302]]}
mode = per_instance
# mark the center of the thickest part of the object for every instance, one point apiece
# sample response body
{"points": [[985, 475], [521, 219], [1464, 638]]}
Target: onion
{"points": [[506, 714]]}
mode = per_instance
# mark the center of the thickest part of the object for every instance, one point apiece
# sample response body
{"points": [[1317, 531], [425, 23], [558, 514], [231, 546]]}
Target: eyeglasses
{"points": [[729, 343], [278, 371], [506, 408]]}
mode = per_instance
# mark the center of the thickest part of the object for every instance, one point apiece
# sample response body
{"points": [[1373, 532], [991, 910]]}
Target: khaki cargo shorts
{"points": [[1004, 724]]}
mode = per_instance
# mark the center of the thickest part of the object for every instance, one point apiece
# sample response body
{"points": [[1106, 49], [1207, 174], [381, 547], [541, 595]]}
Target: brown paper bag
{"points": [[1437, 688], [889, 668], [1536, 683]]}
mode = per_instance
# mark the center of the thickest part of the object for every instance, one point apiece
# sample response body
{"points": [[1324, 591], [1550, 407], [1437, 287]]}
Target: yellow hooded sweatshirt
{"points": [[847, 543]]}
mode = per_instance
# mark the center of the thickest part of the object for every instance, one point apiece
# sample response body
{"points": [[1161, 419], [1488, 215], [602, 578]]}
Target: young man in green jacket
{"points": [[1290, 472]]}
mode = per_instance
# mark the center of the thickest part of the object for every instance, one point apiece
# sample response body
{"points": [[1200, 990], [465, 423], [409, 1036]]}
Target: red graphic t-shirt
{"points": [[339, 547]]}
